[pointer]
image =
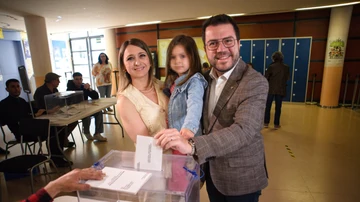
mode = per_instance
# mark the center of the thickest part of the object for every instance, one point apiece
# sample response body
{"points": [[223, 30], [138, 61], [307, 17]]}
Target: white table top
{"points": [[91, 107]]}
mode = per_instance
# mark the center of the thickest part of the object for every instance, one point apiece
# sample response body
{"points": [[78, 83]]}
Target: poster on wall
{"points": [[27, 55], [164, 43], [336, 52], [59, 54]]}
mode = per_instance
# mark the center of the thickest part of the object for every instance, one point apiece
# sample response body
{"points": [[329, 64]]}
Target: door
{"points": [[272, 45], [302, 53], [258, 55], [245, 50], [288, 50]]}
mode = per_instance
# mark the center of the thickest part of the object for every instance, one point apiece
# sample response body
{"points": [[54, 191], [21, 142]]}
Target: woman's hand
{"points": [[71, 181], [186, 133]]}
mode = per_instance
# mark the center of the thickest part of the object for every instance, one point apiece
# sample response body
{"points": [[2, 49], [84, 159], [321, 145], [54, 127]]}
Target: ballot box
{"points": [[178, 180], [65, 104]]}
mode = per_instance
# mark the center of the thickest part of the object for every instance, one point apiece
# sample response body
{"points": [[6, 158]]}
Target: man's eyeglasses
{"points": [[214, 44]]}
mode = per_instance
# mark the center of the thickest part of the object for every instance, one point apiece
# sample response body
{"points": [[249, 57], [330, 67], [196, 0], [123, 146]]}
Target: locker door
{"points": [[288, 50], [271, 46], [302, 50], [258, 54], [245, 50]]}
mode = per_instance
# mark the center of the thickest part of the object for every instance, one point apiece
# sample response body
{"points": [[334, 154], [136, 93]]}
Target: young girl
{"points": [[186, 85]]}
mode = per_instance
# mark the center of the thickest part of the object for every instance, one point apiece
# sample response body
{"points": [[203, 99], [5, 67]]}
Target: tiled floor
{"points": [[324, 166]]}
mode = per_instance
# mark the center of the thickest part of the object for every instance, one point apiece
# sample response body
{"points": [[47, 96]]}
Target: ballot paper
{"points": [[148, 156], [129, 181]]}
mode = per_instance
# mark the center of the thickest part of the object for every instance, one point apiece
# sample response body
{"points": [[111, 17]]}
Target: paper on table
{"points": [[116, 179], [148, 156]]}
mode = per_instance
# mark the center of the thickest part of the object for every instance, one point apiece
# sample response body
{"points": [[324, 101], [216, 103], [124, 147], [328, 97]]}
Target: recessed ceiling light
{"points": [[204, 17], [142, 23], [236, 14], [58, 18], [328, 6]]}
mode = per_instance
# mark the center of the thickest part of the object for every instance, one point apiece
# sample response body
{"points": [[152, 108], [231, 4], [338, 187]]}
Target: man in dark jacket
{"points": [[77, 84], [277, 74]]}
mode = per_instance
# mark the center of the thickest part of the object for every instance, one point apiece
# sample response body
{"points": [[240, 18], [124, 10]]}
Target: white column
{"points": [[334, 57], [111, 52], [39, 47]]}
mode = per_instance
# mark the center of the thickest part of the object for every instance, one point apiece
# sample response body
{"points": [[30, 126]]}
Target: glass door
{"points": [[84, 52]]}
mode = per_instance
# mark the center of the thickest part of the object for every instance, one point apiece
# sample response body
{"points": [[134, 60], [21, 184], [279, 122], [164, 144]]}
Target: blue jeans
{"points": [[278, 103], [99, 123], [105, 91]]}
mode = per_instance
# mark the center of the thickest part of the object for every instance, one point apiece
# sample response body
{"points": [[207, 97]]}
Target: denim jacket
{"points": [[186, 104]]}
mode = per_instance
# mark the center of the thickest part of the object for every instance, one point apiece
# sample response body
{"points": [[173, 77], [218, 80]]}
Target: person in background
{"points": [[102, 72], [14, 108], [67, 183], [77, 84], [232, 148], [250, 65], [49, 87], [277, 74], [205, 67]]}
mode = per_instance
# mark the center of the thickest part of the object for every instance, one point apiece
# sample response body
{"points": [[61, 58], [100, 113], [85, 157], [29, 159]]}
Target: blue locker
{"points": [[302, 52], [258, 55], [272, 45], [245, 50], [288, 50]]}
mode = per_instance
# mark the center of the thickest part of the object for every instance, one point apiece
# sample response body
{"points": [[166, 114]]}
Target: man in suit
{"points": [[232, 146], [77, 84], [277, 74]]}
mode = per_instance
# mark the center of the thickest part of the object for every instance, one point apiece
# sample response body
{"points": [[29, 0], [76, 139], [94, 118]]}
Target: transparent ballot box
{"points": [[65, 104], [178, 181]]}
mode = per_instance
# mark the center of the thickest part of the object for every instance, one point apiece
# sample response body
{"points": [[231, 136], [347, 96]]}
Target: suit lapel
{"points": [[227, 92], [206, 103]]}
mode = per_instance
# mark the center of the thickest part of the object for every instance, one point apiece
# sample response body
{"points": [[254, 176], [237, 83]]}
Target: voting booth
{"points": [[178, 180], [65, 104]]}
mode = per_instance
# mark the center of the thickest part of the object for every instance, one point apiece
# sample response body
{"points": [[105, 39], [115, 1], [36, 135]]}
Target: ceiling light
{"points": [[236, 14], [328, 6], [58, 18], [142, 23], [204, 17]]}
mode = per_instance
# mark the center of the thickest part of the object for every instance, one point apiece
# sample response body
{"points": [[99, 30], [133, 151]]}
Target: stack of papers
{"points": [[116, 179]]}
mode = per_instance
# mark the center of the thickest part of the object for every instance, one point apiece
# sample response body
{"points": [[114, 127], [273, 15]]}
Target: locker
{"points": [[287, 48], [271, 46], [302, 53], [245, 50], [258, 55]]}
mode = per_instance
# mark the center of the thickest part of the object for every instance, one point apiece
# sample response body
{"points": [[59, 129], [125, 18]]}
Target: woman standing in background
{"points": [[102, 72]]}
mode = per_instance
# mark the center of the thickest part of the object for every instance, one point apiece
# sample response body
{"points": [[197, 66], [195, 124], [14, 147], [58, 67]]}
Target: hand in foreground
{"points": [[171, 138], [71, 181], [186, 133]]}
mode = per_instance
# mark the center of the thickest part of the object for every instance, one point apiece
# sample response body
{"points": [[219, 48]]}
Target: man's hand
{"points": [[39, 112], [71, 181], [171, 138], [186, 133], [87, 86]]}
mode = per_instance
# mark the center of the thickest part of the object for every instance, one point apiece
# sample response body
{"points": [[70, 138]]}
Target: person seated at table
{"points": [[67, 183], [77, 84], [14, 108], [49, 87]]}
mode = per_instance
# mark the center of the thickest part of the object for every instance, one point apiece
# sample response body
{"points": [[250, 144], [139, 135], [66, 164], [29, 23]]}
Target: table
{"points": [[91, 107]]}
